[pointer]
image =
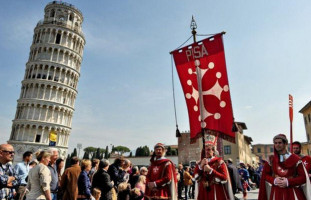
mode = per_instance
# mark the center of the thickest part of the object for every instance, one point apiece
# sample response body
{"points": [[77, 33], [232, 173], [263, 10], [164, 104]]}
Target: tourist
{"points": [[134, 176], [126, 167], [181, 180], [141, 185], [95, 163], [84, 183], [8, 178], [143, 171], [258, 172], [115, 171], [192, 187], [32, 164], [244, 179], [39, 178], [187, 181], [102, 181], [234, 177], [116, 174], [124, 189], [52, 167], [22, 170], [60, 163], [69, 180], [136, 194]]}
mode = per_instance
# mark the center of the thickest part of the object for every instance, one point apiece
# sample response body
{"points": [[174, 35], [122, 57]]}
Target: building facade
{"points": [[188, 152], [49, 88], [240, 151], [263, 151], [306, 112]]}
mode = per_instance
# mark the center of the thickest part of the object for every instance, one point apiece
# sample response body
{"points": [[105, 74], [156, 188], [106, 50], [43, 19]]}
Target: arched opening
{"points": [[58, 37], [52, 14]]}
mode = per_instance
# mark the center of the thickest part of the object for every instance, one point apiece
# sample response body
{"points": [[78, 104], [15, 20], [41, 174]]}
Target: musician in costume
{"points": [[283, 175], [306, 160], [213, 177], [161, 179]]}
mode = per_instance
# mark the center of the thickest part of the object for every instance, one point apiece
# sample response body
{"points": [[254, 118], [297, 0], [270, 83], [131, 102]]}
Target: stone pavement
{"points": [[251, 195]]}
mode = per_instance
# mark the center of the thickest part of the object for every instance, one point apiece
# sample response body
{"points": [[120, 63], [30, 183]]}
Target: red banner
{"points": [[217, 113]]}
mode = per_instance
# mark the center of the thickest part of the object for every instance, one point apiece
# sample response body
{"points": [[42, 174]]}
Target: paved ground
{"points": [[251, 195]]}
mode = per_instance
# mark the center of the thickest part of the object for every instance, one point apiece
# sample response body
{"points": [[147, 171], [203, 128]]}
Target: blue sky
{"points": [[125, 89]]}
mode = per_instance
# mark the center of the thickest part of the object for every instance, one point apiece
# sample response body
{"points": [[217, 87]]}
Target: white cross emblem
{"points": [[155, 170]]}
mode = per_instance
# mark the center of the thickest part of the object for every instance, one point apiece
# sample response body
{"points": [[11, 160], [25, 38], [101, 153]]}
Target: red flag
{"points": [[217, 109], [291, 104]]}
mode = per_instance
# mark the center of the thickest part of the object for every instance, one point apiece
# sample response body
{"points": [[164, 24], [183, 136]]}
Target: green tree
{"points": [[67, 161], [94, 152], [98, 154], [86, 155], [93, 156], [121, 149], [131, 154], [74, 153], [112, 149], [146, 150], [138, 152], [169, 151], [142, 151], [89, 149], [106, 153]]}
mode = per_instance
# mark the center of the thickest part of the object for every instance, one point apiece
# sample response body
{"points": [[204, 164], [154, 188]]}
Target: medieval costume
{"points": [[306, 160], [162, 173], [289, 167], [216, 184]]}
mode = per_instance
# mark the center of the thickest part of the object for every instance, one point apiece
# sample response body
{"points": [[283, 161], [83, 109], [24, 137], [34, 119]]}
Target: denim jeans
{"points": [[186, 191], [54, 196]]}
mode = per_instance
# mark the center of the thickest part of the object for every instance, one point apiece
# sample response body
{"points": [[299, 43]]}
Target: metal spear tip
{"points": [[193, 24]]}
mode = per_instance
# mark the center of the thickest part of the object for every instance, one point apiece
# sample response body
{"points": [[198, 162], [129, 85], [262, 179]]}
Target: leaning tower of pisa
{"points": [[49, 88]]}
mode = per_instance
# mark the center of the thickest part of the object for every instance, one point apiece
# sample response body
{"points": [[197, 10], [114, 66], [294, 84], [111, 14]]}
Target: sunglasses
{"points": [[9, 152]]}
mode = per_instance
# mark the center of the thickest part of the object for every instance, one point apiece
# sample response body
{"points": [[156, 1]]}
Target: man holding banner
{"points": [[213, 177]]}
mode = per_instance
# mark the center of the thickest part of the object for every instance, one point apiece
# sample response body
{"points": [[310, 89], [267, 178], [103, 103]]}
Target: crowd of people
{"points": [[282, 175], [44, 178]]}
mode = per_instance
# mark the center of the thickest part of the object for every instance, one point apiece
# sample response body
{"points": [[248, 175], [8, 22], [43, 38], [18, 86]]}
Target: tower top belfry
{"points": [[49, 88]]}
